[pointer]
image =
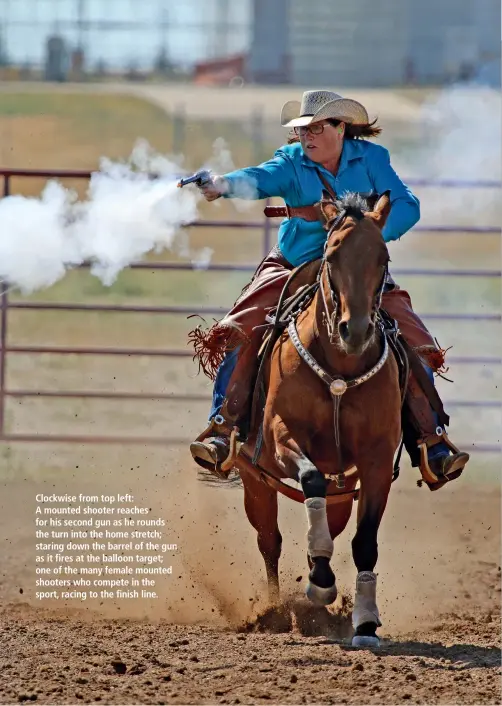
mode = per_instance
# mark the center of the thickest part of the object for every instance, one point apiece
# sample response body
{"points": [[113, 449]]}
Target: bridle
{"points": [[324, 274]]}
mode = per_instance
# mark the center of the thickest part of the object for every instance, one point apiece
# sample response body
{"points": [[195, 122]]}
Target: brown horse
{"points": [[333, 403]]}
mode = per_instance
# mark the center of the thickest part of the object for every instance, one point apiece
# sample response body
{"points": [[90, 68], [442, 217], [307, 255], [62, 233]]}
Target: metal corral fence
{"points": [[267, 229]]}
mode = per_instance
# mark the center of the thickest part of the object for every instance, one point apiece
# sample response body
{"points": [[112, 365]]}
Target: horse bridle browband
{"points": [[337, 385]]}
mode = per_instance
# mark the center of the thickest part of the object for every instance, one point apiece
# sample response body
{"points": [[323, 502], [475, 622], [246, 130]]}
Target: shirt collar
{"points": [[352, 149]]}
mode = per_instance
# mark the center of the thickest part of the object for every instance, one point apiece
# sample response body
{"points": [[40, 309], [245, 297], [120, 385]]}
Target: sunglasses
{"points": [[314, 128]]}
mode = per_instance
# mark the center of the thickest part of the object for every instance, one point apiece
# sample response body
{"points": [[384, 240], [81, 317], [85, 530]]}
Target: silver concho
{"points": [[338, 387]]}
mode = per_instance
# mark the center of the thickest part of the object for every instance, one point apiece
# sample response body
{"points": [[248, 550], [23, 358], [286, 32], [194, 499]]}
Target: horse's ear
{"points": [[371, 200], [328, 208], [381, 209]]}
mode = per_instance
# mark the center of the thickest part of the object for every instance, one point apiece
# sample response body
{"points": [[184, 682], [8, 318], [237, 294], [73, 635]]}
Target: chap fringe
{"points": [[211, 344]]}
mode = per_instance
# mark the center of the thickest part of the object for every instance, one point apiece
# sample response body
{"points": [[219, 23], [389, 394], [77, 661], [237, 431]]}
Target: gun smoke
{"points": [[126, 215]]}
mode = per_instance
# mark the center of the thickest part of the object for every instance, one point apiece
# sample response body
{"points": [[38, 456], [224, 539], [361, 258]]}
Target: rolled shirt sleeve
{"points": [[405, 211]]}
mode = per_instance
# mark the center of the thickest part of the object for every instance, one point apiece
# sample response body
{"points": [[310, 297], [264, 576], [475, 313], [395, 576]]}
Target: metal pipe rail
{"points": [[266, 226]]}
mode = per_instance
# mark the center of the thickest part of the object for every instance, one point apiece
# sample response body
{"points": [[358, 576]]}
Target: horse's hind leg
{"points": [[260, 503], [375, 487]]}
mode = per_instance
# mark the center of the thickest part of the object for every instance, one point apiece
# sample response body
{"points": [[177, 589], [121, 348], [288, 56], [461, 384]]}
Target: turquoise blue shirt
{"points": [[364, 167]]}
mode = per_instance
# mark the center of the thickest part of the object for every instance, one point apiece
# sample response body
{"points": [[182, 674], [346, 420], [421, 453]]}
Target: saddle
{"points": [[290, 306]]}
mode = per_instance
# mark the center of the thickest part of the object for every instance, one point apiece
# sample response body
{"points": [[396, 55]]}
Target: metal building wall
{"points": [[452, 39], [269, 52], [488, 21], [339, 43], [363, 43], [443, 36]]}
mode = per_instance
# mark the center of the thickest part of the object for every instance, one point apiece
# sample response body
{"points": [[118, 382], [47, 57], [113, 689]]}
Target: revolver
{"points": [[203, 176]]}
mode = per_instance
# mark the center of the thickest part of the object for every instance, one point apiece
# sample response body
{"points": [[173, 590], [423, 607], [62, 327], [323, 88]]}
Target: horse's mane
{"points": [[355, 204], [352, 201]]}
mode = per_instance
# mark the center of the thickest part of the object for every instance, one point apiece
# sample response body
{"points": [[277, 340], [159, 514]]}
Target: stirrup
{"points": [[218, 425], [229, 462], [433, 481]]}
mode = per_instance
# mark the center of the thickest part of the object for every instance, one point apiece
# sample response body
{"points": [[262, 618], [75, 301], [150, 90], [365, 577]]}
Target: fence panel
{"points": [[267, 228]]}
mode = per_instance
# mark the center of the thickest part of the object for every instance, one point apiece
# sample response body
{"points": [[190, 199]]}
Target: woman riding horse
{"points": [[329, 156]]}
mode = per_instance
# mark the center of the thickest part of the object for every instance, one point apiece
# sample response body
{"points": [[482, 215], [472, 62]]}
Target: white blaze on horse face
{"points": [[365, 607], [318, 536]]}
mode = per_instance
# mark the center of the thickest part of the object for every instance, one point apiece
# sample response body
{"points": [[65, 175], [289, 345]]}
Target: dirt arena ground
{"points": [[208, 638], [123, 662]]}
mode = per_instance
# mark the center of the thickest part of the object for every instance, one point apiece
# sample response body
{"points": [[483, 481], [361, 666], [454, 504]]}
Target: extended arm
{"points": [[405, 211], [272, 178]]}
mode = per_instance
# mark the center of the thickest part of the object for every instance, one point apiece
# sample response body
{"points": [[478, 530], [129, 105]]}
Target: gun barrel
{"points": [[197, 178], [188, 180]]}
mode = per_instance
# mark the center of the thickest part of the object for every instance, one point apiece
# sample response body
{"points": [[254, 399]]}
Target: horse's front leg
{"points": [[321, 588], [376, 477]]}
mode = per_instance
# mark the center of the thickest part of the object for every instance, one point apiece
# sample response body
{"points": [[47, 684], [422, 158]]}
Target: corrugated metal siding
{"points": [[488, 21], [269, 53], [441, 35], [449, 35], [376, 43], [348, 43]]}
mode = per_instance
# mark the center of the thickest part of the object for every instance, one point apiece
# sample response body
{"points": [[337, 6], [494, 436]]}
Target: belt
{"points": [[308, 213]]}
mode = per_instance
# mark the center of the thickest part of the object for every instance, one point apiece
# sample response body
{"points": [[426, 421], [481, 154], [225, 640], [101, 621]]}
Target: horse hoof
{"points": [[365, 641], [321, 596]]}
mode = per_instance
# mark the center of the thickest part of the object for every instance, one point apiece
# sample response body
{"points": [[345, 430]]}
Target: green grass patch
{"points": [[75, 130]]}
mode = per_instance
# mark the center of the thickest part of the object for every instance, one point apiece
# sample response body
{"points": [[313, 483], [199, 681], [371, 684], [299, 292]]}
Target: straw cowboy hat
{"points": [[322, 105]]}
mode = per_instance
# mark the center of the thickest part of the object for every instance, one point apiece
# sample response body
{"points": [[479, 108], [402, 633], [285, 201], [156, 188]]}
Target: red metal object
{"points": [[219, 72], [267, 226]]}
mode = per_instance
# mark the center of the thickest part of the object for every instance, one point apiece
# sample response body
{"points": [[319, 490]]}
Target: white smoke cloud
{"points": [[221, 162], [461, 140], [466, 122], [35, 249], [126, 215]]}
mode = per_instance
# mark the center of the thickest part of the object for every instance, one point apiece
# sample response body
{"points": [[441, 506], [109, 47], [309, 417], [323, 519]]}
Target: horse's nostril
{"points": [[343, 329], [356, 331]]}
